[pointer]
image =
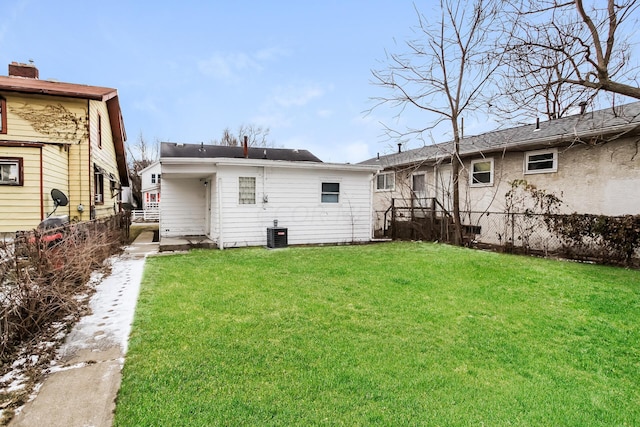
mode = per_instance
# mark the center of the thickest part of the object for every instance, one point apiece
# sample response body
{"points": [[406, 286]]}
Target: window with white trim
{"points": [[330, 192], [541, 161], [247, 190], [386, 181], [153, 178], [11, 171], [481, 173]]}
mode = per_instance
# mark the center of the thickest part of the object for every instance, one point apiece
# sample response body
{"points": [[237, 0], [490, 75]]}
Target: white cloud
{"points": [[293, 96], [272, 120], [147, 104], [271, 53], [325, 113], [228, 66]]}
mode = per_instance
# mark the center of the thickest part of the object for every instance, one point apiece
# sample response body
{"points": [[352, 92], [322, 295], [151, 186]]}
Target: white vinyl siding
{"points": [[183, 207], [293, 198]]}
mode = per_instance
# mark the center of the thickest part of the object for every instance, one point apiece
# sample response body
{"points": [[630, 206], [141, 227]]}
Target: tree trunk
{"points": [[455, 172]]}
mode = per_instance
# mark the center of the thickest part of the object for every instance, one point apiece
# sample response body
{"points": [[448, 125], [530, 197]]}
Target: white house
{"points": [[232, 195], [150, 186]]}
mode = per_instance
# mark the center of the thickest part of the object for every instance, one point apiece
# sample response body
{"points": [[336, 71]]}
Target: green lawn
{"points": [[391, 334]]}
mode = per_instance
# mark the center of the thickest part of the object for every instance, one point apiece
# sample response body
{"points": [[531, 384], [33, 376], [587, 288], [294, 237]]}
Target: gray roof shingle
{"points": [[609, 121], [173, 149]]}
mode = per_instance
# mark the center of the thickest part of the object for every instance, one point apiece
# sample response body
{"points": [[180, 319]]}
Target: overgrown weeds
{"points": [[44, 288]]}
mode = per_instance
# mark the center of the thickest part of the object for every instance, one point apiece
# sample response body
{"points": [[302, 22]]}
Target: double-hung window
{"points": [[247, 190], [541, 161], [11, 172], [385, 181], [330, 192], [481, 172]]}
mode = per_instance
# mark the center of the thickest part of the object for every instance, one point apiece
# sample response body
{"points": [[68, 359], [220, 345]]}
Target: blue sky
{"points": [[185, 70]]}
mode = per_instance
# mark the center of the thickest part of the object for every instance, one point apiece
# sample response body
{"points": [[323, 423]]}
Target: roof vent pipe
{"points": [[537, 123], [245, 147], [583, 107], [399, 147]]}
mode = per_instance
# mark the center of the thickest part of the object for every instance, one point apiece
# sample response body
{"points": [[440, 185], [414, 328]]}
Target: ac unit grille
{"points": [[276, 237]]}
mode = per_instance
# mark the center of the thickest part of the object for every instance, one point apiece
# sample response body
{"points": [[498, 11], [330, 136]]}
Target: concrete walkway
{"points": [[82, 384]]}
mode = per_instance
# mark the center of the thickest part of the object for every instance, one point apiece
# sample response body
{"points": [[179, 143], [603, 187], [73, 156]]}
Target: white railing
{"points": [[146, 215]]}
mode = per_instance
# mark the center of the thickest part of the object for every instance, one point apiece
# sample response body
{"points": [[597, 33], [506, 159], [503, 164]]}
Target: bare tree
{"points": [[257, 136], [140, 155], [443, 73], [562, 51]]}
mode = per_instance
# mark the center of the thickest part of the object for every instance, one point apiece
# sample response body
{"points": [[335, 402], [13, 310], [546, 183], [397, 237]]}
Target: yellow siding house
{"points": [[61, 136]]}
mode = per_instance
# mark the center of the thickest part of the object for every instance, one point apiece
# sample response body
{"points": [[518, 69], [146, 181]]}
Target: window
{"points": [[418, 184], [11, 172], [158, 178], [385, 181], [542, 161], [153, 178], [330, 192], [98, 184], [99, 131], [481, 173], [3, 115], [247, 193]]}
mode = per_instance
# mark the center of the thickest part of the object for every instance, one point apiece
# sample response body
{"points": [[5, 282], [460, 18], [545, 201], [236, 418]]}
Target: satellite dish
{"points": [[59, 199]]}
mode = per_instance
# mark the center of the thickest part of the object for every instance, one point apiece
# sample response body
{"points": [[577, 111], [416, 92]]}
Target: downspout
{"points": [[41, 185], [220, 210], [372, 213], [91, 197]]}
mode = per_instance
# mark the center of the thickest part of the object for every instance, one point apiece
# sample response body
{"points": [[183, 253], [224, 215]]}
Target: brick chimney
{"points": [[17, 69]]}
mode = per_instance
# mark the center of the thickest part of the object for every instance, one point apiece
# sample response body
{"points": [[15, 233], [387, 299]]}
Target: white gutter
{"points": [[222, 161]]}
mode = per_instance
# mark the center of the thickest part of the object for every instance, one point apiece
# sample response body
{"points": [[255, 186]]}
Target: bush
{"points": [[607, 239], [44, 289]]}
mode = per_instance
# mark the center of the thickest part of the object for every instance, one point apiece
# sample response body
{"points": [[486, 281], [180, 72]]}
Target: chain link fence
{"points": [[512, 232]]}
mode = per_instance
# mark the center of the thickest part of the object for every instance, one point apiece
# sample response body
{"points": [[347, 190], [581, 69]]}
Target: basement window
{"points": [[3, 115], [11, 171], [482, 173], [247, 193], [542, 161], [330, 192]]}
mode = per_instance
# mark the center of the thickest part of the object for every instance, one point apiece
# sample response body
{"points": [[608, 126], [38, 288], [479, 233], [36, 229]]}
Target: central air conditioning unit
{"points": [[276, 237]]}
